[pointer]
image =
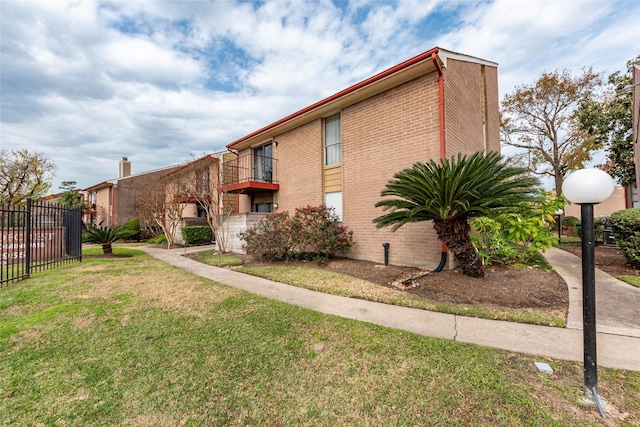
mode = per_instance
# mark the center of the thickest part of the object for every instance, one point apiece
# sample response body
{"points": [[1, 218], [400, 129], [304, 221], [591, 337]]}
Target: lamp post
{"points": [[587, 187], [559, 213]]}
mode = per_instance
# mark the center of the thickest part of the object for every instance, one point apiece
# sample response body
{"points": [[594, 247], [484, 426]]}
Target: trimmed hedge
{"points": [[131, 230], [195, 234], [625, 226]]}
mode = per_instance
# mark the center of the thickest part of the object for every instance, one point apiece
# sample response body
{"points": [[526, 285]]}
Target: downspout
{"points": [[434, 58]]}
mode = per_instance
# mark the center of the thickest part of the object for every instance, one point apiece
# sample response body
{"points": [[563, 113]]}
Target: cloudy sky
{"points": [[161, 82]]}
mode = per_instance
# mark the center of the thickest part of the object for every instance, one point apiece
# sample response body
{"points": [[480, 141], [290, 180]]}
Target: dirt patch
{"points": [[608, 259]]}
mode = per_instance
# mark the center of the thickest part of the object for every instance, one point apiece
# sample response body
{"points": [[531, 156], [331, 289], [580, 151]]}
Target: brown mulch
{"points": [[608, 259], [503, 285]]}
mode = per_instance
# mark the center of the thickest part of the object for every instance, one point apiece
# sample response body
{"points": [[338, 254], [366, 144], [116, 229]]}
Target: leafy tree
{"points": [[70, 197], [451, 192], [539, 118], [104, 236], [609, 121], [24, 175]]}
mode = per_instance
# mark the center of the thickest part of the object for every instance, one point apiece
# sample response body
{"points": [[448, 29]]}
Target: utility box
{"points": [[608, 239]]}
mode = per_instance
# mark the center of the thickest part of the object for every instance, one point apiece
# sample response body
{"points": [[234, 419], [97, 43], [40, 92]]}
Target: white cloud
{"points": [[86, 83]]}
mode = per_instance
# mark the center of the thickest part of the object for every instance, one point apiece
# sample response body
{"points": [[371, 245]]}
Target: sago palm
{"points": [[451, 191], [104, 236]]}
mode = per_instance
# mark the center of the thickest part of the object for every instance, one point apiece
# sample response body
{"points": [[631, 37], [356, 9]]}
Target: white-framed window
{"points": [[334, 200], [332, 142]]}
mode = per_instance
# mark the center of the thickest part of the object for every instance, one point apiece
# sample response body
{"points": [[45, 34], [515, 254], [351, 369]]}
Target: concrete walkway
{"points": [[618, 313]]}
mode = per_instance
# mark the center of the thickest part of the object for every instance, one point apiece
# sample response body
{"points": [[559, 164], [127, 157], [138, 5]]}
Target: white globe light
{"points": [[588, 186]]}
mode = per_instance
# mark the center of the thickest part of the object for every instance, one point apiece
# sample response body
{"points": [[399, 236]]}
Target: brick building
{"points": [[343, 149], [113, 202], [194, 188]]}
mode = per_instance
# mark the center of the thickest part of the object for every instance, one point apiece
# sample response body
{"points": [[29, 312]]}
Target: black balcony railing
{"points": [[250, 173]]}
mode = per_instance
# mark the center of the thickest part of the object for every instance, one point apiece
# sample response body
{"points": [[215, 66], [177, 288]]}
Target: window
{"points": [[263, 163], [202, 182], [332, 146], [263, 207], [334, 200]]}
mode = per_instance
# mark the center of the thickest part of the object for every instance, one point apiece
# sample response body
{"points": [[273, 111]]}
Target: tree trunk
{"points": [[456, 234], [107, 249]]}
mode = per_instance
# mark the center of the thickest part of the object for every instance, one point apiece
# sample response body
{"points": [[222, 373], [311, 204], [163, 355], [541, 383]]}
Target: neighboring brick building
{"points": [[196, 187], [343, 149], [113, 202]]}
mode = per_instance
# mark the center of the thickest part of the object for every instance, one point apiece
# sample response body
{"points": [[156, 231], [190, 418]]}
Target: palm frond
{"points": [[457, 188]]}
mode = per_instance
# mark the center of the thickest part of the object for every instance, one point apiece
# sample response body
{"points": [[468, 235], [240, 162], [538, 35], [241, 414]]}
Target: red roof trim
{"points": [[409, 62], [207, 156], [98, 186]]}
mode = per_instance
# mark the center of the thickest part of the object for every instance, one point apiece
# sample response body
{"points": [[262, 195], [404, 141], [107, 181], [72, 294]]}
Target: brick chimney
{"points": [[125, 168]]}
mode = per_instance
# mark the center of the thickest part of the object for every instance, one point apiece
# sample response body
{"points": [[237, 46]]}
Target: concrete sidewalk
{"points": [[618, 339]]}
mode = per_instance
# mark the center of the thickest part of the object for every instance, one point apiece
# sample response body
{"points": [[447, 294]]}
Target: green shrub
{"points": [[131, 230], [313, 231], [570, 221], [516, 237], [270, 239], [196, 234], [160, 239], [625, 226]]}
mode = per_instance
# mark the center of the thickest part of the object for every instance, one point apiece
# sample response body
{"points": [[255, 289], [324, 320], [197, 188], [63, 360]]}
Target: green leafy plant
{"points": [[131, 230], [625, 225], [160, 239], [104, 236], [195, 234], [516, 237]]}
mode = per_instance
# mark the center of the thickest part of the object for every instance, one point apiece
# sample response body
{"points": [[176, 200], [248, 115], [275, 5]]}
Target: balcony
{"points": [[249, 174]]}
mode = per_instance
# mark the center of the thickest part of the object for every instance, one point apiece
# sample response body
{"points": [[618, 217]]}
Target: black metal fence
{"points": [[37, 236]]}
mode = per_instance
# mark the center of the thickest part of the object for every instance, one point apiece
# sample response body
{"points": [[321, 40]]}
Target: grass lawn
{"points": [[133, 341], [632, 280]]}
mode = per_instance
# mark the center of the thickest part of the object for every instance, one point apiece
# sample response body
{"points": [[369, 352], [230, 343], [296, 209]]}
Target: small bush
{"points": [[516, 237], [570, 221], [625, 226], [313, 231], [197, 234], [160, 239], [318, 230], [131, 230], [270, 238]]}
